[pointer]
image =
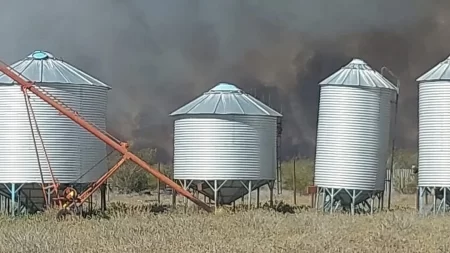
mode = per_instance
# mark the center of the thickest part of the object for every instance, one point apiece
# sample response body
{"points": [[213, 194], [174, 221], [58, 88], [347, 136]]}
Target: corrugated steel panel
{"points": [[381, 178], [358, 73], [387, 114], [440, 72], [71, 150], [226, 99], [352, 138], [434, 134], [225, 147], [43, 67]]}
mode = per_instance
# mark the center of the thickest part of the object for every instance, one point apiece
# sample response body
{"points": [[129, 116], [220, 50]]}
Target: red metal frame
{"points": [[122, 147]]}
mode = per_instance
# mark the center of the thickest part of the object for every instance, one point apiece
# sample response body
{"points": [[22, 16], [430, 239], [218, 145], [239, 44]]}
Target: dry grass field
{"points": [[245, 231]]}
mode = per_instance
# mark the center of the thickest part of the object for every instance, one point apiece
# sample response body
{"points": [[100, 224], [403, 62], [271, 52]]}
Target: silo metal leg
{"points": [[371, 204], [444, 199], [332, 200], [421, 193], [317, 198], [49, 197], [184, 198], [257, 197], [13, 198], [271, 186], [419, 199], [434, 200], [215, 195], [353, 202], [249, 194], [324, 196], [13, 190], [103, 197]]}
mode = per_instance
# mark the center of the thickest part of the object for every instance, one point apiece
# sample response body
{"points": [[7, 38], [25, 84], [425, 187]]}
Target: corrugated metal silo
{"points": [[225, 137], [72, 151], [434, 131], [353, 132]]}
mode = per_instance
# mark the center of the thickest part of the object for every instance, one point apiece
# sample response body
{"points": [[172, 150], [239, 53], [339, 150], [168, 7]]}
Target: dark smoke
{"points": [[159, 54]]}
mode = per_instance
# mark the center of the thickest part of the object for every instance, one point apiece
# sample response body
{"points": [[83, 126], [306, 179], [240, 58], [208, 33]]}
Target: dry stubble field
{"points": [[246, 231]]}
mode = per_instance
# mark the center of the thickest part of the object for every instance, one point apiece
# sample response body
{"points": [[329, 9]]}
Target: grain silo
{"points": [[353, 129], [225, 144], [434, 136], [75, 155]]}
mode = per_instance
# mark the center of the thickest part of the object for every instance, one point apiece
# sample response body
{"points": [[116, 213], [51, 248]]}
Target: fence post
{"points": [[158, 185], [294, 183]]}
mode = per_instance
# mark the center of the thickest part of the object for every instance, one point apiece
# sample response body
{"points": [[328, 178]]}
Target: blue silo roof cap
{"points": [[225, 87], [40, 55]]}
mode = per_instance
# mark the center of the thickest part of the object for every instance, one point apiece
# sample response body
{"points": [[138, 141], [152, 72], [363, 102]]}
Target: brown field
{"points": [[245, 231]]}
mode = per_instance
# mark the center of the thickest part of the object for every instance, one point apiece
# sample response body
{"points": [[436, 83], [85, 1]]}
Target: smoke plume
{"points": [[159, 54]]}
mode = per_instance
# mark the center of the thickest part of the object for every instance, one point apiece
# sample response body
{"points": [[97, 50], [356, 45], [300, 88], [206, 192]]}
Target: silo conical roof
{"points": [[358, 73], [43, 67], [440, 72], [226, 98]]}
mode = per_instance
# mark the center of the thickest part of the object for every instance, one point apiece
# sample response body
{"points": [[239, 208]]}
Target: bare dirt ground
{"points": [[245, 231]]}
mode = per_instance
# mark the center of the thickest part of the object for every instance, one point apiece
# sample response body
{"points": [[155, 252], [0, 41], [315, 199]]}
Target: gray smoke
{"points": [[159, 54]]}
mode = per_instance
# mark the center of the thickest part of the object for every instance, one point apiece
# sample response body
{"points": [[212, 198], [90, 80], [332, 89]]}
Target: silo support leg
{"points": [[423, 192], [13, 191], [331, 200], [103, 197], [418, 198], [186, 186], [317, 198], [13, 198], [353, 202], [257, 197], [216, 188], [434, 200], [324, 198], [271, 186], [49, 195], [371, 204], [215, 195], [444, 200], [250, 194]]}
